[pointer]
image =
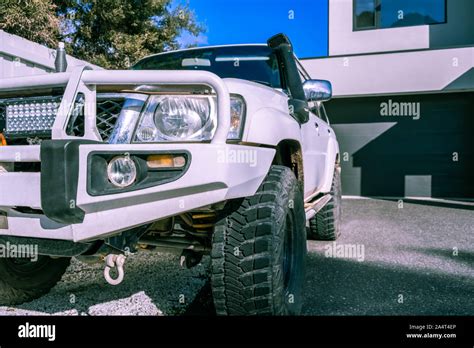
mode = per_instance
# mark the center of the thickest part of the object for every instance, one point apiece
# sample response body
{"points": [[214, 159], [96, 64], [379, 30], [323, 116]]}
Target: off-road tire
{"points": [[259, 250], [326, 224], [23, 280]]}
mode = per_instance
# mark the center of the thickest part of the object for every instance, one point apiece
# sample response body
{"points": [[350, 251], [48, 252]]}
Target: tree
{"points": [[116, 33], [35, 20], [109, 33]]}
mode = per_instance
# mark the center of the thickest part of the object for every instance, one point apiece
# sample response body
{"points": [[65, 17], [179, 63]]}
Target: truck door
{"points": [[315, 134]]}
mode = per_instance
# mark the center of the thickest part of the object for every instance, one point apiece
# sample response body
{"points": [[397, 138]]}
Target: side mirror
{"points": [[317, 90]]}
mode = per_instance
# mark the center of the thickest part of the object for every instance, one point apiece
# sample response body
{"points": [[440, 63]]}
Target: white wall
{"points": [[343, 40], [392, 73], [21, 57]]}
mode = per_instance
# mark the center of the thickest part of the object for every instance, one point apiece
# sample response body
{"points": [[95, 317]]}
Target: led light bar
{"points": [[30, 116]]}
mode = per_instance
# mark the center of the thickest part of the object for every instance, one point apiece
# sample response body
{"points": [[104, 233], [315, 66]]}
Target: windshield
{"points": [[253, 63]]}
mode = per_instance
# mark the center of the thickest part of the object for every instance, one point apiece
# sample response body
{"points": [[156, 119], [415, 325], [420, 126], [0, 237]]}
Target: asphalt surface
{"points": [[414, 260], [425, 253]]}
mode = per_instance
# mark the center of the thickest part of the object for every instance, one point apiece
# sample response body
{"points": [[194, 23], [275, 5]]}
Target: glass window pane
{"points": [[364, 13], [399, 13], [255, 63]]}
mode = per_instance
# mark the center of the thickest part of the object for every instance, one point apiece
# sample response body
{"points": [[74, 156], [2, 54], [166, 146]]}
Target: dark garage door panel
{"points": [[398, 156]]}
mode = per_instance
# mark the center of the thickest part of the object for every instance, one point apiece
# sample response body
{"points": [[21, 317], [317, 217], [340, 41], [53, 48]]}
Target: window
{"points": [[304, 76], [322, 111], [364, 14], [254, 63], [377, 14]]}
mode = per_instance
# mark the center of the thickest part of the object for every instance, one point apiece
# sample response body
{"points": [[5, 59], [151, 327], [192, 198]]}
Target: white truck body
{"points": [[208, 180]]}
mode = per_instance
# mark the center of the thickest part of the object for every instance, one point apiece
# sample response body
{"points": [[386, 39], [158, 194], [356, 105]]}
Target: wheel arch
{"points": [[289, 154], [274, 128]]}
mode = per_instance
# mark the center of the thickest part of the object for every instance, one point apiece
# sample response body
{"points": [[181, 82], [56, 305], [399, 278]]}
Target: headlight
{"points": [[237, 111], [185, 118], [178, 118]]}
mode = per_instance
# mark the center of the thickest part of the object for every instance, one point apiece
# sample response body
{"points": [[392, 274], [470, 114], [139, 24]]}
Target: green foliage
{"points": [[109, 33], [116, 33], [35, 20]]}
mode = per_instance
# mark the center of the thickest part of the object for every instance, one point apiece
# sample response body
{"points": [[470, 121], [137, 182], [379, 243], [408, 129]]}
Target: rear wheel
{"points": [[259, 251], [23, 280], [326, 224]]}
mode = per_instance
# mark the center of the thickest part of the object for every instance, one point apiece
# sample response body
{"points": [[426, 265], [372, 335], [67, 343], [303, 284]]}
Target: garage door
{"points": [[402, 146]]}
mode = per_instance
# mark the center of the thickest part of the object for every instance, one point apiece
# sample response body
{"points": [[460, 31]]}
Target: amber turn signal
{"points": [[3, 141], [165, 161]]}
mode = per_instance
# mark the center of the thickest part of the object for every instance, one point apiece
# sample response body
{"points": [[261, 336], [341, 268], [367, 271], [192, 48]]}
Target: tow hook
{"points": [[111, 261]]}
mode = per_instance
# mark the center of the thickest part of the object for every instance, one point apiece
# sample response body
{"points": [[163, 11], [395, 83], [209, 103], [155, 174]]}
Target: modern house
{"points": [[403, 108]]}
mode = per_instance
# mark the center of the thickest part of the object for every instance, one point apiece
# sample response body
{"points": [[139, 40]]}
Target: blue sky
{"points": [[254, 21]]}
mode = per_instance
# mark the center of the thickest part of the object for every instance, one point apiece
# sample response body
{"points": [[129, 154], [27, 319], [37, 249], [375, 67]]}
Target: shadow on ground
{"points": [[348, 287], [412, 266]]}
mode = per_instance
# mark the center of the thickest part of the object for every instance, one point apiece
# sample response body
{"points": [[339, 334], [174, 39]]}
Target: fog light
{"points": [[165, 161], [122, 171]]}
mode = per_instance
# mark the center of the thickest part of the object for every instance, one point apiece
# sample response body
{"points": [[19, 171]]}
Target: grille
{"points": [[108, 111], [3, 115]]}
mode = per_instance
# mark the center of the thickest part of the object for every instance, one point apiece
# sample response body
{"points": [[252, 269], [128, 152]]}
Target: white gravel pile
{"points": [[154, 284]]}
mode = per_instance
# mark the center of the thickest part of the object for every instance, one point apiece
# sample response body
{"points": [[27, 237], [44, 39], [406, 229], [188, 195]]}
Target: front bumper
{"points": [[216, 172]]}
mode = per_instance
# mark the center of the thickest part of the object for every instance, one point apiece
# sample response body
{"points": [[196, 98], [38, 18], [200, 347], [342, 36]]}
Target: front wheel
{"points": [[23, 280], [259, 250]]}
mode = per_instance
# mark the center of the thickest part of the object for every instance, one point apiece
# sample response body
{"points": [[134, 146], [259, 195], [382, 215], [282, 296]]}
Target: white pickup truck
{"points": [[223, 151]]}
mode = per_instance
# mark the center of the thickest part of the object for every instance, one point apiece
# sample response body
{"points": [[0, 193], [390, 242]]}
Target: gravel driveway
{"points": [[416, 259]]}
